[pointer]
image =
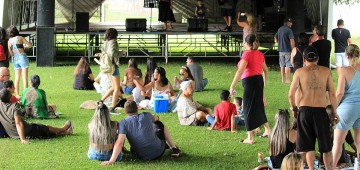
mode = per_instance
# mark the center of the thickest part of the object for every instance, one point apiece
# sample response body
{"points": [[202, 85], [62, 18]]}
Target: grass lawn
{"points": [[202, 149]]}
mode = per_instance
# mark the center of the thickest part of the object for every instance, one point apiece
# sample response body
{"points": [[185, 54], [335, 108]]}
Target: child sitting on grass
{"points": [[239, 118], [224, 114], [9, 84]]}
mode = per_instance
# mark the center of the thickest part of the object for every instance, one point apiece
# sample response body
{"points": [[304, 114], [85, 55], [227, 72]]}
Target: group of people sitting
{"points": [[32, 104]]}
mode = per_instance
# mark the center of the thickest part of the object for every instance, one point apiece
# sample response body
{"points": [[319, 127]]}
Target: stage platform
{"points": [[155, 42]]}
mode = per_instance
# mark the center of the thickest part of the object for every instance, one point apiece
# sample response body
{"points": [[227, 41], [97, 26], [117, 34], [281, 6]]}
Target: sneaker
{"points": [[175, 151], [113, 111]]}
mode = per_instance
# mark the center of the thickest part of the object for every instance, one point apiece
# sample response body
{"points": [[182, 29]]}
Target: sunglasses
{"points": [[181, 74]]}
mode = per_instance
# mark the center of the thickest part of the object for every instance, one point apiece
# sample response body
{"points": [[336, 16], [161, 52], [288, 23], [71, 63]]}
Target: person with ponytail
{"points": [[250, 69], [102, 134]]}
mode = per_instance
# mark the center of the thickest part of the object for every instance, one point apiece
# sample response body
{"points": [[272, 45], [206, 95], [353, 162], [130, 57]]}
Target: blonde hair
{"points": [[279, 134], [102, 130], [353, 52], [292, 161], [250, 19]]}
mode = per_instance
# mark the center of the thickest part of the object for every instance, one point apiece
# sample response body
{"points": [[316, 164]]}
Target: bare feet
{"points": [[247, 141]]}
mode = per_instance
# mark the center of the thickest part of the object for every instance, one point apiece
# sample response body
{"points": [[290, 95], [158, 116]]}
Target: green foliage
{"points": [[202, 149]]}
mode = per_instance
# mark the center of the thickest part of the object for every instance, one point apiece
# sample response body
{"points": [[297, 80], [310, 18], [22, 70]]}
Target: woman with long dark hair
{"points": [[297, 52], [16, 47], [111, 47], [132, 72], [84, 78], [250, 68], [159, 85], [185, 75]]}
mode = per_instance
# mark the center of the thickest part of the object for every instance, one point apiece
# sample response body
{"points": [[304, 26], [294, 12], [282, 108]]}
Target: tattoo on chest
{"points": [[314, 80]]}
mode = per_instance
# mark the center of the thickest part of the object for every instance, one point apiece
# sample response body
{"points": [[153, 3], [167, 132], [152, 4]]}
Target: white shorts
{"points": [[341, 60]]}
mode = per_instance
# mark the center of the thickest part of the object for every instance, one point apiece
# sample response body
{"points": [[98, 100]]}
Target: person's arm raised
{"points": [[117, 150], [142, 87]]}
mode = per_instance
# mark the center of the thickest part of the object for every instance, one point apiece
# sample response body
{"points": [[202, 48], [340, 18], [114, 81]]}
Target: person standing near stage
{"points": [[250, 69], [166, 14], [285, 39], [342, 39], [16, 47], [323, 47], [315, 83], [111, 47], [249, 26], [227, 11]]}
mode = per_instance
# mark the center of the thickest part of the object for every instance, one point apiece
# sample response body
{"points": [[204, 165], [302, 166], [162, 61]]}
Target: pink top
{"points": [[254, 59]]}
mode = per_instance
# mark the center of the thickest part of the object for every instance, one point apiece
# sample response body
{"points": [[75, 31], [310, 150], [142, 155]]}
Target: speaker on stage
{"points": [[135, 24], [45, 46], [197, 25], [82, 22], [45, 13]]}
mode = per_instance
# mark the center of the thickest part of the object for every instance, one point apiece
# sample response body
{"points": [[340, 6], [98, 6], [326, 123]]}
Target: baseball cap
{"points": [[288, 19], [310, 54]]}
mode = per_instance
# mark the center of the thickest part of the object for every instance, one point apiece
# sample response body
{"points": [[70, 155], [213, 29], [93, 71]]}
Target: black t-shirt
{"points": [[323, 48], [298, 58], [82, 81], [340, 36]]}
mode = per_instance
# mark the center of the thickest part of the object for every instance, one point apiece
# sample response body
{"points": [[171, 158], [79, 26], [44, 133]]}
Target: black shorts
{"points": [[313, 123], [227, 12], [39, 131]]}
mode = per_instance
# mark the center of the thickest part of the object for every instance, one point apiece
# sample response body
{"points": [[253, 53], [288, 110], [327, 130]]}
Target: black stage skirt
{"points": [[165, 12], [253, 104]]}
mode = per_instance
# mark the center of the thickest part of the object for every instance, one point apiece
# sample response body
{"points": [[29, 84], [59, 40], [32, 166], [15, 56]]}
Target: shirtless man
{"points": [[314, 82]]}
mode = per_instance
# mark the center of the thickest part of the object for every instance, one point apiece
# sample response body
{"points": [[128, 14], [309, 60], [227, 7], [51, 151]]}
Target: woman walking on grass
{"points": [[111, 47], [16, 47], [250, 69]]}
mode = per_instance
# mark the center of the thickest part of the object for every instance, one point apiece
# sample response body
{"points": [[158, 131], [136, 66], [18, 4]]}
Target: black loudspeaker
{"points": [[197, 25], [135, 24], [45, 46], [82, 22], [45, 13]]}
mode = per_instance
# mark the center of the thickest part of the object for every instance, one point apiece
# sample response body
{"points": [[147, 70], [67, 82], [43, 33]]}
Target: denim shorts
{"points": [[349, 116], [116, 72], [20, 61], [211, 119], [93, 154], [284, 59], [128, 89]]}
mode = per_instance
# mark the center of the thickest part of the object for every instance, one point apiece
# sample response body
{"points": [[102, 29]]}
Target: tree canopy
{"points": [[348, 2]]}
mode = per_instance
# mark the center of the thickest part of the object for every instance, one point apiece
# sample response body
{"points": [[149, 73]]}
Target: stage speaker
{"points": [[45, 46], [197, 25], [45, 13], [135, 24], [82, 22]]}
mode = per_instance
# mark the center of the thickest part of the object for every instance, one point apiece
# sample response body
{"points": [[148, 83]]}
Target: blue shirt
{"points": [[283, 36], [140, 132], [352, 90]]}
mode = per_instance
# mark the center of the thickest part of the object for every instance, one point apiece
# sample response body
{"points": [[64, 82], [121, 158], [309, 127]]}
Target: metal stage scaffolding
{"points": [[155, 44]]}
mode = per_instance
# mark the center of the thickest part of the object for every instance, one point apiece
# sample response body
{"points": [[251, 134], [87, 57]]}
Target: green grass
{"points": [[202, 149]]}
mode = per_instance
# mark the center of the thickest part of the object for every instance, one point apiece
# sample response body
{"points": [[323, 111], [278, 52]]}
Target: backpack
{"points": [[107, 65], [2, 53]]}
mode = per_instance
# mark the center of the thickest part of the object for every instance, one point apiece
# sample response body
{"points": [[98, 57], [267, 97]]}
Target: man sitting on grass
{"points": [[224, 114], [147, 136], [11, 117]]}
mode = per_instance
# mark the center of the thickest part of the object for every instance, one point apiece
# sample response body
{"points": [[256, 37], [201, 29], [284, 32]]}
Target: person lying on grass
{"points": [[189, 111], [224, 114], [102, 134], [147, 136], [12, 118], [33, 101]]}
